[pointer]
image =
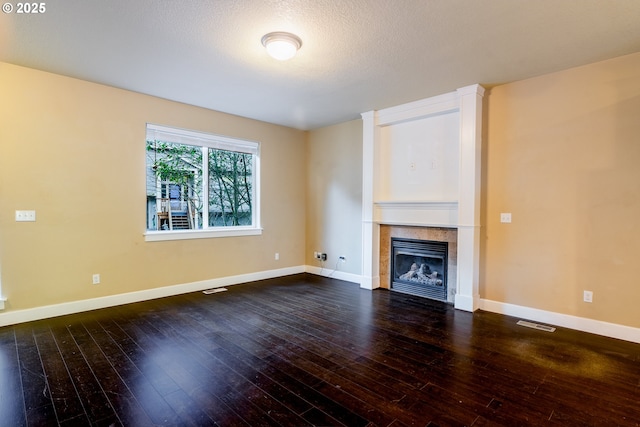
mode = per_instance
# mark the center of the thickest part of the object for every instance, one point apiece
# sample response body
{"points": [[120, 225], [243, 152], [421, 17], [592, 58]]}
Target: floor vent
{"points": [[214, 291], [536, 326]]}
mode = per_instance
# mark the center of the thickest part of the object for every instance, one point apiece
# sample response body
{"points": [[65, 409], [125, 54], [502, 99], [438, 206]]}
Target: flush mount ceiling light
{"points": [[280, 45]]}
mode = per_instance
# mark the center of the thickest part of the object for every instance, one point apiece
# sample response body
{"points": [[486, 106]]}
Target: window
{"points": [[200, 185]]}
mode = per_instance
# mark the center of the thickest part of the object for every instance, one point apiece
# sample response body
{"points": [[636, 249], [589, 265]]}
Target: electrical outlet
{"points": [[342, 258], [323, 256], [96, 279], [505, 218], [588, 296], [277, 256]]}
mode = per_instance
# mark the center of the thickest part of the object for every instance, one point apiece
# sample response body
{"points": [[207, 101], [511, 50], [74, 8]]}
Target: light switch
{"points": [[25, 216], [505, 217]]}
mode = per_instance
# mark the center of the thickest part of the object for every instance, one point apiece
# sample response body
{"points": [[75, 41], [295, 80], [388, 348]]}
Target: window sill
{"points": [[158, 236]]}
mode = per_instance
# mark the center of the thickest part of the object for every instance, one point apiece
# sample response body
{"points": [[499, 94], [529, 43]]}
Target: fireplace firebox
{"points": [[419, 267]]}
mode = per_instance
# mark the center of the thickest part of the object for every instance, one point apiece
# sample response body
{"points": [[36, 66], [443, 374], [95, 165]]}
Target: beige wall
{"points": [[334, 196], [563, 156], [74, 152]]}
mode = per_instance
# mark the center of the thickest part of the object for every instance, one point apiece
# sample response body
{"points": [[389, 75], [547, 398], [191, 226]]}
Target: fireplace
{"points": [[441, 192], [419, 267]]}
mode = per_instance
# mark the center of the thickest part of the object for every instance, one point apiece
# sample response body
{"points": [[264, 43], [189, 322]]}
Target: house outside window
{"points": [[200, 185]]}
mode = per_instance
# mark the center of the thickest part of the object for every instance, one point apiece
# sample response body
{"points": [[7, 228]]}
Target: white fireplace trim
{"points": [[427, 213], [441, 104], [463, 213]]}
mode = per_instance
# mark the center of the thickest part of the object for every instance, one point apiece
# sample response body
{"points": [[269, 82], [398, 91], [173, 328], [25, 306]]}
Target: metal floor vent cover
{"points": [[214, 291], [536, 326]]}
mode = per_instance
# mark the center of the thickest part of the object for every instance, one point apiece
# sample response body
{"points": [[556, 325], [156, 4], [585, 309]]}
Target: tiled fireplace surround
{"points": [[441, 202], [437, 234]]}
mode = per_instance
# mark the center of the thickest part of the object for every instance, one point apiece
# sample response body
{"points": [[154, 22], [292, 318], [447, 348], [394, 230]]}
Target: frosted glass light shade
{"points": [[281, 46]]}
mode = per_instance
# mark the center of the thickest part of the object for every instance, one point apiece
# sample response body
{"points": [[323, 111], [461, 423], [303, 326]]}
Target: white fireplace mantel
{"points": [[398, 190]]}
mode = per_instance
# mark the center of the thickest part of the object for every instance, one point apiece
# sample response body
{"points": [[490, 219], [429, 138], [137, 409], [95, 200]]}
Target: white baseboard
{"points": [[37, 313], [370, 283], [583, 324], [597, 327], [466, 303], [335, 274]]}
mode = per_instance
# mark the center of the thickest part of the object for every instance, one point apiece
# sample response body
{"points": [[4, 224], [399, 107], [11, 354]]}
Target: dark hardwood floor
{"points": [[305, 350]]}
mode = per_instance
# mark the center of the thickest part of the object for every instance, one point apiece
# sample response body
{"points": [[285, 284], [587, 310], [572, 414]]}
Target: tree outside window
{"points": [[198, 181]]}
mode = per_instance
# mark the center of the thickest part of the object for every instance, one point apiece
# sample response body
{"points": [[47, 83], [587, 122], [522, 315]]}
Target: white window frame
{"points": [[206, 140]]}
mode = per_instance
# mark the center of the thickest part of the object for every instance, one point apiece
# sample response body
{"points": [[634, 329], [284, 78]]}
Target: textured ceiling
{"points": [[357, 55]]}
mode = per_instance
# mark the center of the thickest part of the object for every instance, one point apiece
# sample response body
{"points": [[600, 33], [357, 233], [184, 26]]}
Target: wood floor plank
{"points": [[323, 371], [125, 404], [154, 405], [196, 376], [271, 397], [64, 395], [37, 397], [303, 360], [143, 361], [12, 409], [303, 350], [97, 406]]}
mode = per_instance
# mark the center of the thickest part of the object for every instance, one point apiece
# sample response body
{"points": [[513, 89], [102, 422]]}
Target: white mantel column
{"points": [[370, 229], [468, 296]]}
